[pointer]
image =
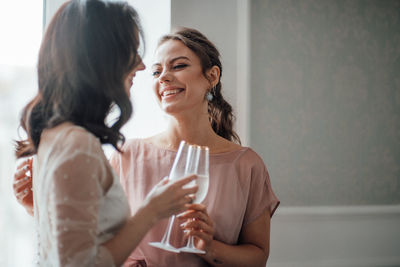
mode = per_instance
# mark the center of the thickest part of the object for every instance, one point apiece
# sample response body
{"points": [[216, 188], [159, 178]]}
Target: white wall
{"points": [[50, 8], [225, 23], [20, 30], [148, 119]]}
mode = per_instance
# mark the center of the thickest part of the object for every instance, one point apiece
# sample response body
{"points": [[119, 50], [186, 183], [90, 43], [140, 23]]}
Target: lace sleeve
{"points": [[73, 212]]}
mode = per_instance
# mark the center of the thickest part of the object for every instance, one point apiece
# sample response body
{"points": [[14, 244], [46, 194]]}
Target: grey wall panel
{"points": [[325, 99]]}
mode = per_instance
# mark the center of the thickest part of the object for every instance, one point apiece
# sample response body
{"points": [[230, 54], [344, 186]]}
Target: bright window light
{"points": [[21, 33]]}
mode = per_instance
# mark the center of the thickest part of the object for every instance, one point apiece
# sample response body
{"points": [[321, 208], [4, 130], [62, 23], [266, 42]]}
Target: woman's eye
{"points": [[180, 66], [155, 73]]}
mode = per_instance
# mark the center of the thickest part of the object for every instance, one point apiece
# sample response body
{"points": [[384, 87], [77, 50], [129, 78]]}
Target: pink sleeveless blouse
{"points": [[239, 192]]}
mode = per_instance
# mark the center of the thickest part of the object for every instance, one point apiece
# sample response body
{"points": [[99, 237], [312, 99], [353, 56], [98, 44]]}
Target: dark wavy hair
{"points": [[219, 110], [88, 49]]}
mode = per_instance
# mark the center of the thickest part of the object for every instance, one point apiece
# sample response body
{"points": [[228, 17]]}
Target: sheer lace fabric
{"points": [[79, 203]]}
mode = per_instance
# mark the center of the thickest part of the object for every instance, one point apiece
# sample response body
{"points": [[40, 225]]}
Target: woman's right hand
{"points": [[168, 198], [23, 185]]}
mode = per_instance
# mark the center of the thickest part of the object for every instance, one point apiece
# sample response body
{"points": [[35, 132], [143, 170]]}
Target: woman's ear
{"points": [[213, 75]]}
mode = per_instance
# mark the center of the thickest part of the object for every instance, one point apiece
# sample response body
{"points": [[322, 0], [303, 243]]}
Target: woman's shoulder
{"points": [[80, 139], [68, 142], [250, 165], [132, 144], [249, 155], [71, 137], [131, 147], [240, 155], [229, 148]]}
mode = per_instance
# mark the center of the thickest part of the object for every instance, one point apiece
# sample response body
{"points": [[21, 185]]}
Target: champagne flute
{"points": [[178, 171], [199, 164]]}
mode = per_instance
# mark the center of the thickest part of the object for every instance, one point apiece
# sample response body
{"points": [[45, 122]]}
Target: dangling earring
{"points": [[209, 94]]}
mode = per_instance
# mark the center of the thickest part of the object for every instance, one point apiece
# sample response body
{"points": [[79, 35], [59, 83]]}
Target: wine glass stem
{"points": [[166, 237], [190, 243]]}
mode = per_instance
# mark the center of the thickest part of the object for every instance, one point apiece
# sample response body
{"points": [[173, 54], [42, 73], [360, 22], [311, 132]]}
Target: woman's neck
{"points": [[195, 130]]}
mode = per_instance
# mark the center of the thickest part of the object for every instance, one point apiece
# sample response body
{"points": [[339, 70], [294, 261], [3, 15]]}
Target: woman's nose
{"points": [[165, 76], [141, 65]]}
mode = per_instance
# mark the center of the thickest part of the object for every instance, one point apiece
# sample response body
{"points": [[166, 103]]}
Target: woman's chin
{"points": [[170, 108]]}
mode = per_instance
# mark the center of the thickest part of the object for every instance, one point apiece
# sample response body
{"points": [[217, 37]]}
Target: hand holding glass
{"points": [[199, 166], [189, 160]]}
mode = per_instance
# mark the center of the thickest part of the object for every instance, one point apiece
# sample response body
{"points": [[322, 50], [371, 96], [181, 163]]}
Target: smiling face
{"points": [[178, 79]]}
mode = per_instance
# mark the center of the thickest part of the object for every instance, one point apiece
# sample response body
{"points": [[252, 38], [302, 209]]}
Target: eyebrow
{"points": [[172, 60]]}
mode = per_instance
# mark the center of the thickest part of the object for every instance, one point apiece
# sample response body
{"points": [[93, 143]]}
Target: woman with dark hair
{"points": [[233, 223], [87, 61]]}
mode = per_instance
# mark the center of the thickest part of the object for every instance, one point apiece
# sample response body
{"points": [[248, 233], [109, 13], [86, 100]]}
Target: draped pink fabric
{"points": [[239, 192]]}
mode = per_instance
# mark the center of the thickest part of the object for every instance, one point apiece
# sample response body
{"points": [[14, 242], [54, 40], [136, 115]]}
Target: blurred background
{"points": [[315, 86]]}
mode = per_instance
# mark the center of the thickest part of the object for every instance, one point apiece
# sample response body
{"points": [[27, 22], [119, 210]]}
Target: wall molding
{"points": [[322, 211], [373, 262], [351, 236]]}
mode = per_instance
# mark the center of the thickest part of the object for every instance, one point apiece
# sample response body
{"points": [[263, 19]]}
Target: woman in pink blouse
{"points": [[233, 223]]}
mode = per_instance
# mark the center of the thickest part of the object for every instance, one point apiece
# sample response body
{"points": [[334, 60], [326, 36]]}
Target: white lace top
{"points": [[79, 203]]}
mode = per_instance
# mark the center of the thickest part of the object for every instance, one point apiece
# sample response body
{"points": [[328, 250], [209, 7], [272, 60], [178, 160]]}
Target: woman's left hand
{"points": [[199, 224]]}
